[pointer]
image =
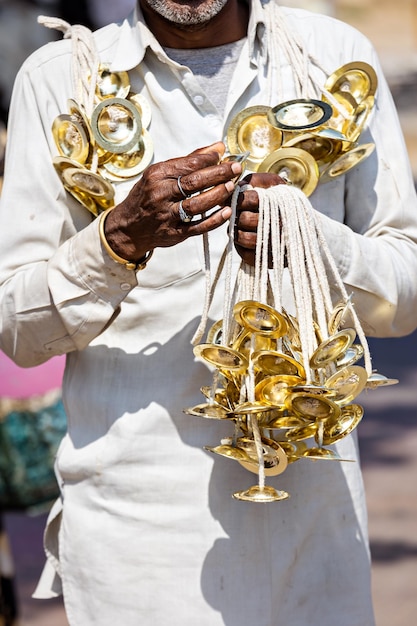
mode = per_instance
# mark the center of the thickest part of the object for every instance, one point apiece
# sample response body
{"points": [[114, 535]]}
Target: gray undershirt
{"points": [[213, 68]]}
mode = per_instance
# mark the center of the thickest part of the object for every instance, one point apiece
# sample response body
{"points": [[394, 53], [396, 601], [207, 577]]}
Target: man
{"points": [[147, 530]]}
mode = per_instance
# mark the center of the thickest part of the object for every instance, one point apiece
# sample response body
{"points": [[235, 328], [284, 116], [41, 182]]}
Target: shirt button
{"points": [[213, 120], [198, 100], [125, 286]]}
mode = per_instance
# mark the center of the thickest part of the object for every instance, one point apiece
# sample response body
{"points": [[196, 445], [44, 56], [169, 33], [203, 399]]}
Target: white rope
{"points": [[296, 256], [314, 264], [289, 236], [345, 297], [228, 300], [85, 59], [226, 260], [311, 267], [261, 257], [207, 300], [296, 52]]}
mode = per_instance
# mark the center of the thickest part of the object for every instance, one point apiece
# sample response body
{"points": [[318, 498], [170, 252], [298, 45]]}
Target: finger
{"points": [[205, 225], [245, 239], [159, 174], [206, 178], [198, 159], [218, 147], [248, 201], [247, 221], [215, 197], [161, 179], [263, 179]]}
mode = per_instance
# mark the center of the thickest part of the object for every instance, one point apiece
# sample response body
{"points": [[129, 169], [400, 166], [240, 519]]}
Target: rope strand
{"points": [[85, 59]]}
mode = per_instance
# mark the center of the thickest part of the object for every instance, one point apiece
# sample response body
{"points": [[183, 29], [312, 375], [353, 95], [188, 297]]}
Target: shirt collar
{"points": [[134, 37], [132, 41]]}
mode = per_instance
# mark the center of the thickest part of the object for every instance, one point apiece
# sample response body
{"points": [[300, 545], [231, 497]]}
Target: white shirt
{"points": [[149, 531]]}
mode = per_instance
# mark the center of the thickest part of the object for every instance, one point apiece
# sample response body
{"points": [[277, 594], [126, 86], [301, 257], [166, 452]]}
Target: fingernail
{"points": [[230, 185], [236, 168]]}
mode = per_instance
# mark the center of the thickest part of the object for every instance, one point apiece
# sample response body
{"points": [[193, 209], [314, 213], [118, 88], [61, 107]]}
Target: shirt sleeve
{"points": [[58, 287], [375, 244]]}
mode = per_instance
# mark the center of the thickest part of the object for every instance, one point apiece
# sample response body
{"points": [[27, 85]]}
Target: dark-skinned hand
{"points": [[247, 216], [149, 216]]}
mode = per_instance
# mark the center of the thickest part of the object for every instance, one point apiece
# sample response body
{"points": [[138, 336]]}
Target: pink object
{"points": [[18, 382]]}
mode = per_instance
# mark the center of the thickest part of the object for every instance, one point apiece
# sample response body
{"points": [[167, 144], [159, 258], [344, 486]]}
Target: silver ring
{"points": [[183, 215], [180, 187]]}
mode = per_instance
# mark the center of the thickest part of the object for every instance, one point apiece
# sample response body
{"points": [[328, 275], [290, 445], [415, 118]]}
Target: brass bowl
{"points": [[144, 108], [301, 114], [348, 383], [250, 130], [261, 494], [359, 79], [116, 125], [297, 167], [274, 390], [271, 363], [330, 350], [335, 430], [70, 138], [221, 357], [312, 407], [346, 162], [322, 146], [356, 124], [379, 380], [260, 318], [112, 84], [133, 162], [209, 411], [274, 458], [88, 182]]}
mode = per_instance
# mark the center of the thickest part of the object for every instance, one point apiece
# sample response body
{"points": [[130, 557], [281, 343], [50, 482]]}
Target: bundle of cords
{"points": [[289, 240]]}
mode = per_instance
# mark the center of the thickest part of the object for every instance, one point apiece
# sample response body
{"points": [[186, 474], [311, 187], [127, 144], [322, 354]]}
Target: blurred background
{"points": [[388, 432]]}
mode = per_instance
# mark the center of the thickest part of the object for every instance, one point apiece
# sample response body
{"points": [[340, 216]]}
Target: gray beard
{"points": [[185, 15]]}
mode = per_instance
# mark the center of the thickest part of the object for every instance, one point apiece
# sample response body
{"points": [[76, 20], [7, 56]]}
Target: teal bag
{"points": [[29, 440]]}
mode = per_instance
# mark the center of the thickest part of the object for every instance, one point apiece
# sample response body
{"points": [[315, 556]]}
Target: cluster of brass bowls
{"points": [[308, 141], [110, 146], [288, 409]]}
